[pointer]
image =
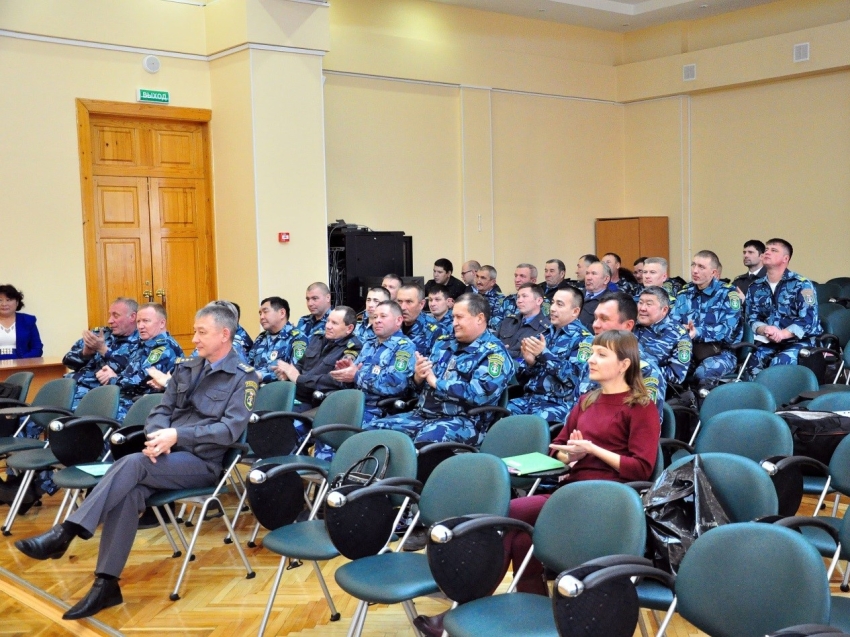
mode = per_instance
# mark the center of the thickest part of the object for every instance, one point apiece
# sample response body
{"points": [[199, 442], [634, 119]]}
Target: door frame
{"points": [[85, 109]]}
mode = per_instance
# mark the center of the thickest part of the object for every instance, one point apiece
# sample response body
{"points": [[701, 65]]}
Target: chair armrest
{"points": [[399, 481], [798, 521], [676, 444], [280, 414], [318, 431], [774, 467], [11, 402], [441, 446], [258, 476], [396, 402], [742, 345], [684, 409], [239, 446], [64, 423], [120, 437], [26, 410], [570, 586], [494, 409], [336, 499], [442, 534]]}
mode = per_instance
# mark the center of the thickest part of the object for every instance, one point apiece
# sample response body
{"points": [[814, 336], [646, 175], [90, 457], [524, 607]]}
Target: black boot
{"points": [[105, 593], [51, 545]]}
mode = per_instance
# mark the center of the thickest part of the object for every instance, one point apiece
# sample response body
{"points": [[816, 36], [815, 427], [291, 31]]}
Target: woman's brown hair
{"points": [[625, 346]]}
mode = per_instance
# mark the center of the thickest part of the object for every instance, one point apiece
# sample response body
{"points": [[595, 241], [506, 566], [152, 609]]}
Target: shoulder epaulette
{"points": [[183, 359], [245, 367]]}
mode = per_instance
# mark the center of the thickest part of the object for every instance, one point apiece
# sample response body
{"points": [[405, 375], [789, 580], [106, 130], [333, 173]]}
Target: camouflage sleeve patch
{"points": [[298, 349], [683, 351], [402, 361], [495, 365], [651, 385], [155, 355], [734, 300], [250, 394], [809, 296], [585, 349]]}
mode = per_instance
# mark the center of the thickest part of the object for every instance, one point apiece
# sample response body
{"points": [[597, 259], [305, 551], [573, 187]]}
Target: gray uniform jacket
{"points": [[212, 415]]}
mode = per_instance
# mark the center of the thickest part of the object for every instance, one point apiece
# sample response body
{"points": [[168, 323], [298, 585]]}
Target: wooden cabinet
{"points": [[633, 237]]}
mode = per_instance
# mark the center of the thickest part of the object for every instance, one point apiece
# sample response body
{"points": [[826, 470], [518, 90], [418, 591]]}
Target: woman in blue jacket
{"points": [[18, 332]]}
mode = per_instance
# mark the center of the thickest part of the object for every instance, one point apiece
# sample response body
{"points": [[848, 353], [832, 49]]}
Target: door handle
{"points": [[147, 294], [161, 293]]}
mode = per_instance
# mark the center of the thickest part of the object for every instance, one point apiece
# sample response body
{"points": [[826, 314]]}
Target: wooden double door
{"points": [[148, 215]]}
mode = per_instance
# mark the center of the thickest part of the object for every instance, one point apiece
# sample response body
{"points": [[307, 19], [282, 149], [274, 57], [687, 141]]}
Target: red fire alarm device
{"points": [[283, 237]]}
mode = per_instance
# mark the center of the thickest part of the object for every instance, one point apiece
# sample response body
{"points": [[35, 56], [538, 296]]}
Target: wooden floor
{"points": [[216, 597]]}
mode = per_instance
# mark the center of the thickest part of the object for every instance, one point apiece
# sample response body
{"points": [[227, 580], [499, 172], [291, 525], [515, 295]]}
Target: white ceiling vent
{"points": [[689, 72], [801, 52]]}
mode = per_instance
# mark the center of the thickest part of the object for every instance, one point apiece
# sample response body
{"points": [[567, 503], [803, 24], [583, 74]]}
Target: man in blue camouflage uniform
{"points": [[312, 324], [655, 273], [274, 343], [783, 320], [242, 341], [553, 362], [364, 330], [524, 273], [485, 284], [104, 346], [711, 312], [419, 327], [527, 320], [662, 337], [613, 261], [618, 311], [441, 307], [470, 369], [384, 367], [156, 349]]}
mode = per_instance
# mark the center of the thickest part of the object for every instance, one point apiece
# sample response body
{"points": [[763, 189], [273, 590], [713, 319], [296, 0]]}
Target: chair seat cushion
{"points": [[390, 578], [303, 541], [821, 539], [652, 595], [11, 445], [75, 478], [161, 498], [517, 614], [813, 485], [839, 613], [31, 459]]}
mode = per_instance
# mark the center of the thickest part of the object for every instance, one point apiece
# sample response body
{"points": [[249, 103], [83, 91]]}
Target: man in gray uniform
{"points": [[205, 408]]}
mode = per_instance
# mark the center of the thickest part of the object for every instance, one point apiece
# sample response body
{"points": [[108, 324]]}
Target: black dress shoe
{"points": [[51, 545], [105, 593], [430, 625]]}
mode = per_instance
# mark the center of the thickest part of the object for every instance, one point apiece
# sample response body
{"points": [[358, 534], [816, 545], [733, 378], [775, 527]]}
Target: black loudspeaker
{"points": [[355, 255]]}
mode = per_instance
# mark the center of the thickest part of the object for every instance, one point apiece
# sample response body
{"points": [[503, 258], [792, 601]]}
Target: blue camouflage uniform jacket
{"points": [[793, 307], [653, 380], [509, 305], [270, 348], [242, 342], [161, 351], [423, 332], [447, 323], [715, 312], [386, 368], [118, 349], [307, 327], [495, 299], [559, 368], [468, 375], [363, 330], [670, 345]]}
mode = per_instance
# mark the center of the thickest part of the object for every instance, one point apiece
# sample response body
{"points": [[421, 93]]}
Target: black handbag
{"points": [[359, 475], [816, 433]]}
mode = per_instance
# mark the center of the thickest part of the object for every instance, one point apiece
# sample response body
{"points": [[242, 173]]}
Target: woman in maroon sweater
{"points": [[611, 434]]}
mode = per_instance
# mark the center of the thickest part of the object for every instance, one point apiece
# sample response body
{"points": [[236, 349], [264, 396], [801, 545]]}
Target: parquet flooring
{"points": [[216, 600]]}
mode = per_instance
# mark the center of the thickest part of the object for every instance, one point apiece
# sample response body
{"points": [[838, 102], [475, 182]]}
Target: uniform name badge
{"points": [[376, 369], [450, 368]]}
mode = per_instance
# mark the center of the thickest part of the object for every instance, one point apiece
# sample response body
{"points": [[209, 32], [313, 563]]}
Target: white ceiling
{"points": [[610, 15]]}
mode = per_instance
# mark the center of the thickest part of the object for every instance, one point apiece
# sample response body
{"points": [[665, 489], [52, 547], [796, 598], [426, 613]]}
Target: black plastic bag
{"points": [[816, 433], [679, 507]]}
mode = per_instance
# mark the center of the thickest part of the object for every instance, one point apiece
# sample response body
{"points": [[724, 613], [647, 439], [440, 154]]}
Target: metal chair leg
{"points": [[275, 586], [175, 552], [327, 593], [410, 611], [62, 506], [18, 501]]}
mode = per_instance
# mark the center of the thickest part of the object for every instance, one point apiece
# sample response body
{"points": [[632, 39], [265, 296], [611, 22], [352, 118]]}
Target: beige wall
{"points": [[40, 169]]}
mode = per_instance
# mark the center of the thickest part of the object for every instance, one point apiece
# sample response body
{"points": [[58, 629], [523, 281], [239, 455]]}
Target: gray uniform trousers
{"points": [[120, 497]]}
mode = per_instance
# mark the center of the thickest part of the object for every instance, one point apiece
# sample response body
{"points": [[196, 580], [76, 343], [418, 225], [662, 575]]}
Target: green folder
{"points": [[96, 469], [532, 463]]}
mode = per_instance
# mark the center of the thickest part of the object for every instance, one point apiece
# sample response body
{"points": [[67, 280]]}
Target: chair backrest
{"points": [[100, 401], [827, 291], [277, 396], [839, 280], [839, 467], [464, 484], [402, 452], [139, 410], [787, 381], [736, 396], [838, 323], [746, 580], [833, 401], [343, 407], [79, 444], [668, 422], [827, 309], [751, 433], [586, 520], [517, 435], [743, 488], [22, 380], [54, 393]]}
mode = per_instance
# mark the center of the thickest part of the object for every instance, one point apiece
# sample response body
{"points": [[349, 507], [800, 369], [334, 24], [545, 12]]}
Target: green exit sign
{"points": [[156, 97]]}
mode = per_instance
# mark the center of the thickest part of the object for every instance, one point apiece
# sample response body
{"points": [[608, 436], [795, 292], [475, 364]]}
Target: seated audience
{"points": [[470, 368], [554, 361], [392, 283], [753, 251], [374, 296], [19, 336], [781, 309], [655, 273], [274, 343], [524, 273], [312, 324], [526, 320], [441, 305], [419, 327], [661, 337], [485, 283], [443, 269], [467, 275], [612, 260], [711, 312]]}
